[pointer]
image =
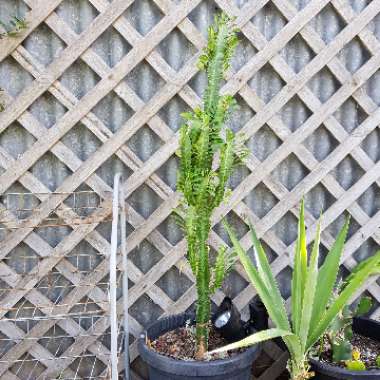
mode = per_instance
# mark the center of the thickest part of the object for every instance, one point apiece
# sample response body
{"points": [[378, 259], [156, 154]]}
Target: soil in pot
{"points": [[369, 350], [367, 341], [181, 343], [166, 364]]}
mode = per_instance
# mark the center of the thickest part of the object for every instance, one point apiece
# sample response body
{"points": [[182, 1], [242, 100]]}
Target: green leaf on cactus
{"points": [[364, 306], [342, 351]]}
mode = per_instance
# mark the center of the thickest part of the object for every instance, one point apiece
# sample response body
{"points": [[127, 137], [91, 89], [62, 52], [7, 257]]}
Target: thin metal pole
{"points": [[113, 260], [123, 221]]}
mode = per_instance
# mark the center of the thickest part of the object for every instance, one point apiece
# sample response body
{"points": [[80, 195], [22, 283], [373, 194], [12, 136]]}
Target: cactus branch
{"points": [[204, 187]]}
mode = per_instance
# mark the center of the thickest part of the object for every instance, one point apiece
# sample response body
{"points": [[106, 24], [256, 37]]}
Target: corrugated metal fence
{"points": [[95, 87]]}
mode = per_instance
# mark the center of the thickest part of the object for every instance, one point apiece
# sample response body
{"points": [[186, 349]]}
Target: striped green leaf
{"points": [[327, 276], [367, 268], [299, 272], [269, 280], [254, 339], [309, 293], [274, 305]]}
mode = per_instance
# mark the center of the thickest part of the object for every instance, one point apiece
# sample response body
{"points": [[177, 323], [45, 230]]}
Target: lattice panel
{"points": [[94, 87]]}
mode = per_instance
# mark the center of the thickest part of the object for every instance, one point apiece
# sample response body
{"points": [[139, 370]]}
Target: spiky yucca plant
{"points": [[206, 163], [312, 286]]}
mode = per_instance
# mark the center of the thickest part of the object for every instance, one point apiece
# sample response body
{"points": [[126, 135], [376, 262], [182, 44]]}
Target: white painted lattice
{"points": [[305, 77]]}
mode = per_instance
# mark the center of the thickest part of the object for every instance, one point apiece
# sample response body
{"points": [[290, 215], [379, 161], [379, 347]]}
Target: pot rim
{"points": [[327, 368]]}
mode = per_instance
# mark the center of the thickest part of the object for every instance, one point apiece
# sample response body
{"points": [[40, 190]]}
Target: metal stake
{"points": [[113, 285], [123, 221]]}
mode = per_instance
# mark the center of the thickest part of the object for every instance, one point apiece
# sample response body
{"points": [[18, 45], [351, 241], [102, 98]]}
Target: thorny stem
{"points": [[203, 187]]}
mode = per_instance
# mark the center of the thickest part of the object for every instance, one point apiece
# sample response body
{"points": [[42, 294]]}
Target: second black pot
{"points": [[162, 367], [363, 326]]}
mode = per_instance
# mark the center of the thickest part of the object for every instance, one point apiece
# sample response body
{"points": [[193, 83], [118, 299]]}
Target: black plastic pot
{"points": [[323, 371], [164, 368]]}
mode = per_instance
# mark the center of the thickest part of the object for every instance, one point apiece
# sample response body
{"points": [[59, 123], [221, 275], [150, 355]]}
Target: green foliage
{"points": [[378, 361], [341, 350], [16, 27], [364, 306], [2, 105], [206, 163], [309, 319], [355, 365], [339, 333]]}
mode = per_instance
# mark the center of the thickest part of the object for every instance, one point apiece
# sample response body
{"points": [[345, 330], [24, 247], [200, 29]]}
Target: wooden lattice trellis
{"points": [[268, 43]]}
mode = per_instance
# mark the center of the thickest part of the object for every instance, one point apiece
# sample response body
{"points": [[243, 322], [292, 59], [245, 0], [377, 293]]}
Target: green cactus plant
{"points": [[208, 154]]}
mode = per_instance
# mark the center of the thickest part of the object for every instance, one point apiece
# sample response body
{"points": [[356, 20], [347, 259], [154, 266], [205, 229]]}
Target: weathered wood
{"points": [[24, 287], [40, 10]]}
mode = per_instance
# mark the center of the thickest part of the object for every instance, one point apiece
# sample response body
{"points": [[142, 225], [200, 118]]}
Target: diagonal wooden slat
{"points": [[311, 101], [365, 17], [69, 55], [14, 298], [179, 83], [40, 10], [99, 91]]}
